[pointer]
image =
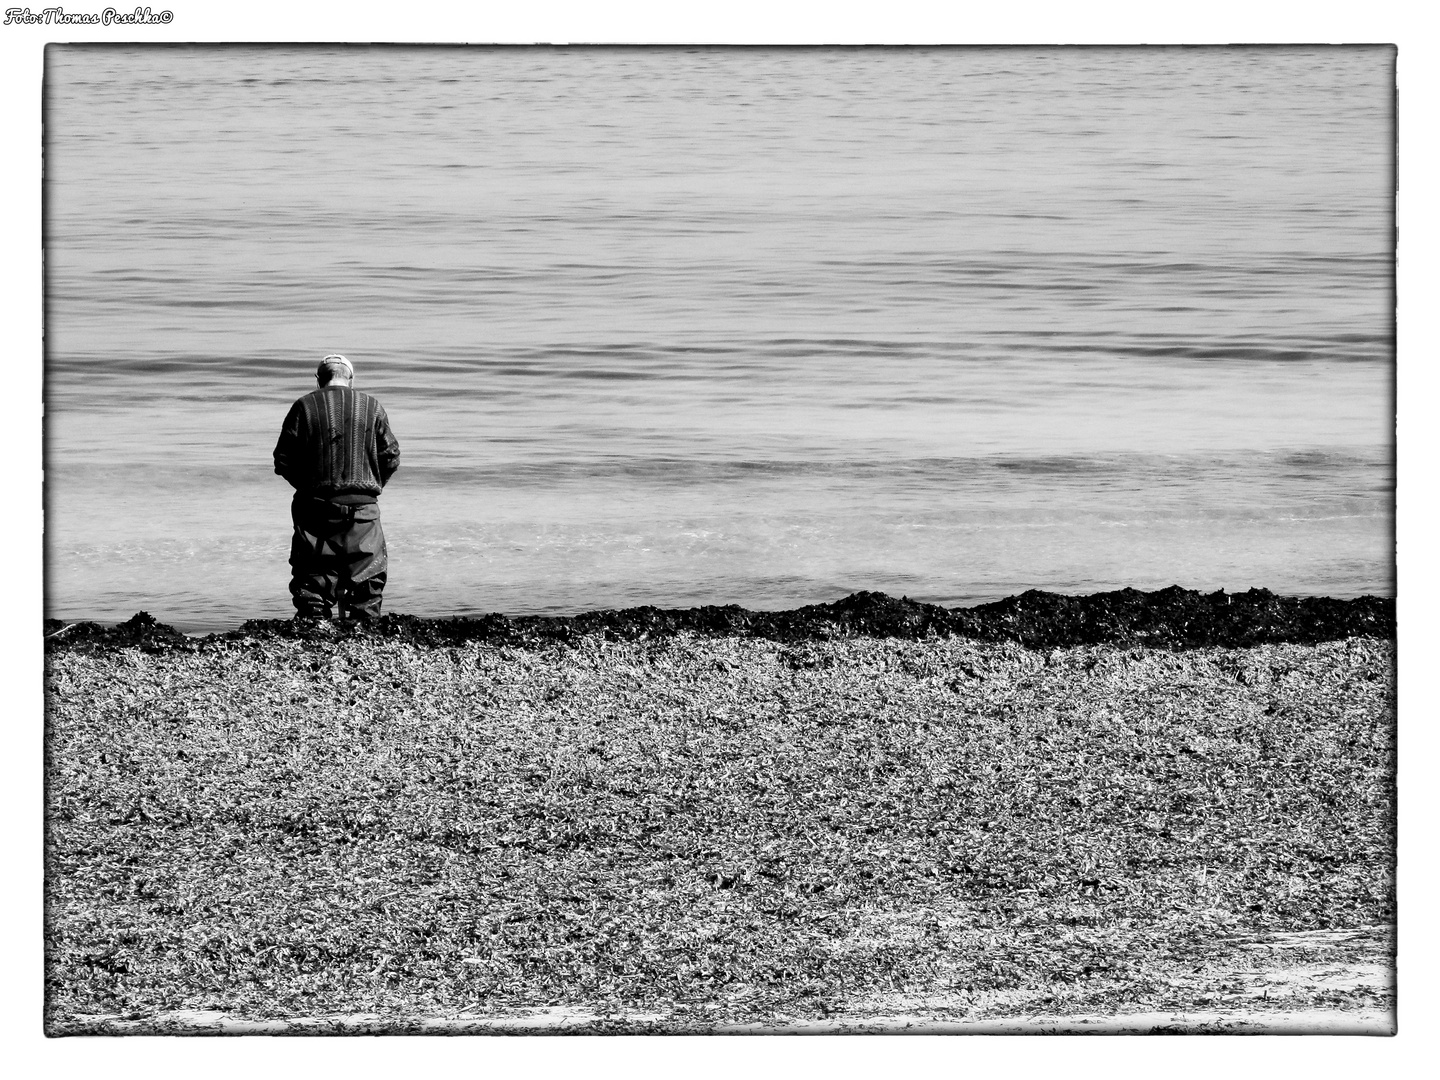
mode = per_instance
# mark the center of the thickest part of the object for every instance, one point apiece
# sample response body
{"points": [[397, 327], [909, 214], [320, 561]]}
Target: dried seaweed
{"points": [[711, 828]]}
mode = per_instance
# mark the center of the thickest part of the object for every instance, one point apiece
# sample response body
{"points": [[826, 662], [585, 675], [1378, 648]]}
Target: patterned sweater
{"points": [[337, 441]]}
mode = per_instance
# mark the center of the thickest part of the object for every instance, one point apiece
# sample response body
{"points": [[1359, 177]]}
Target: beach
{"points": [[648, 821]]}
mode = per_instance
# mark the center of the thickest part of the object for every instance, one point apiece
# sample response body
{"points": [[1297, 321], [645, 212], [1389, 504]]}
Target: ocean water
{"points": [[684, 326]]}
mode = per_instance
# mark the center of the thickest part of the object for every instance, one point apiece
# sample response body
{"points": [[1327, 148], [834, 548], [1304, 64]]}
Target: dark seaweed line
{"points": [[1172, 618]]}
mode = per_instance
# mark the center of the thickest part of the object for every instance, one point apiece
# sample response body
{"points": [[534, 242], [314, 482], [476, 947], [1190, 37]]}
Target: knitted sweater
{"points": [[336, 441]]}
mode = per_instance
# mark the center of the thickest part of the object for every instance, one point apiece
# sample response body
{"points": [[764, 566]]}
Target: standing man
{"points": [[337, 452]]}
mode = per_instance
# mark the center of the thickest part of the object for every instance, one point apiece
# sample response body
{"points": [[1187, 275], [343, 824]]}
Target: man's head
{"points": [[335, 369]]}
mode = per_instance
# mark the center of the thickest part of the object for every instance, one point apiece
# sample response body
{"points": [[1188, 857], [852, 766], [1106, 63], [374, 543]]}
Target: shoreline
{"points": [[1172, 618]]}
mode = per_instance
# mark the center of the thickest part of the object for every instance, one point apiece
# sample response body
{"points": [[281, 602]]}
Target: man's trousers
{"points": [[337, 556]]}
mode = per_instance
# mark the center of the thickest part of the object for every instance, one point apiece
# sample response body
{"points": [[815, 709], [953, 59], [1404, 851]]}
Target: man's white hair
{"points": [[335, 364]]}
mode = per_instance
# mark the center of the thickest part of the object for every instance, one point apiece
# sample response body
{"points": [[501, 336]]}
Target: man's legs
{"points": [[337, 555]]}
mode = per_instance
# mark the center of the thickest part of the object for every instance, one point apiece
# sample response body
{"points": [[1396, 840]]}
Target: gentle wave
{"points": [[1335, 474], [717, 360]]}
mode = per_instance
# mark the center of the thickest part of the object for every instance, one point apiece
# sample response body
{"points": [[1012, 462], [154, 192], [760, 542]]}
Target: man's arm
{"points": [[288, 447], [387, 448]]}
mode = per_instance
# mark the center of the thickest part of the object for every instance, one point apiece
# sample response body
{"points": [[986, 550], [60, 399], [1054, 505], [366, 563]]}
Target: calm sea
{"points": [[686, 326]]}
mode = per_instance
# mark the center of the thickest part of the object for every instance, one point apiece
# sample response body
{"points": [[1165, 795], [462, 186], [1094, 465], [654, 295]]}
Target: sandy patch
{"points": [[1249, 998], [556, 1021]]}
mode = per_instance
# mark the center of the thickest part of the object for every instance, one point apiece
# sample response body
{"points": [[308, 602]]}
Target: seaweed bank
{"points": [[1166, 618], [477, 821]]}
